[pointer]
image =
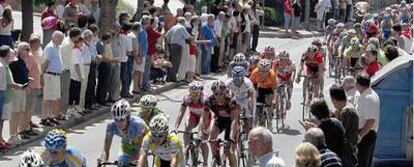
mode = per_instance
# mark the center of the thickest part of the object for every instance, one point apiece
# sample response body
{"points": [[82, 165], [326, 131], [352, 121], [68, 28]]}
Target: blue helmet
{"points": [[238, 72], [55, 139]]}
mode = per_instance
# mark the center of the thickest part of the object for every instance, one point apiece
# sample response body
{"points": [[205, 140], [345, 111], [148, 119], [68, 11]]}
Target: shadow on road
{"points": [[290, 132]]}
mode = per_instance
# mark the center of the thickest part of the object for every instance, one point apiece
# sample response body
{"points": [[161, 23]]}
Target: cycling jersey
{"points": [[129, 143], [284, 72], [195, 107], [73, 158], [222, 108], [269, 81], [163, 152], [240, 94], [154, 112], [312, 64]]}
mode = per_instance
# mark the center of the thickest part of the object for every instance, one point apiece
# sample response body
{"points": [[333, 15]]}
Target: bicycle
{"points": [[101, 163], [310, 93], [220, 159], [193, 149], [263, 115], [242, 158], [339, 69], [280, 107]]}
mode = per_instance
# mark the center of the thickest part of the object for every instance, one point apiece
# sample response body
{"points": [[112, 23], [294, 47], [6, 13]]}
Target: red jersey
{"points": [[284, 72], [193, 49], [372, 68], [312, 64]]}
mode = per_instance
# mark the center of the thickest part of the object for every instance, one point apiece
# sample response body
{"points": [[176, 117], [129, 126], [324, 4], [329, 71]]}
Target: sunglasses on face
{"points": [[158, 136], [54, 151], [119, 120]]}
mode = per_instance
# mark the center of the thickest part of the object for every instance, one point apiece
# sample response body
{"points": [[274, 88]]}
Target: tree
{"points": [[307, 13], [27, 19], [107, 18], [140, 8]]}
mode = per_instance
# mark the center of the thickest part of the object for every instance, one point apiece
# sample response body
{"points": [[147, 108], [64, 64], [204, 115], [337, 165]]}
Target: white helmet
{"points": [[159, 124], [30, 159], [148, 101], [264, 65], [239, 58], [120, 110], [196, 86]]}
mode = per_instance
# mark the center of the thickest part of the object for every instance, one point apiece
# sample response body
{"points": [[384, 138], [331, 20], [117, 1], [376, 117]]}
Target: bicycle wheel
{"points": [[194, 157]]}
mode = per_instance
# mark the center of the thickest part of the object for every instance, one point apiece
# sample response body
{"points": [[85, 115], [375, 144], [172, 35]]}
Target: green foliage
{"points": [[44, 2], [270, 13], [123, 6]]}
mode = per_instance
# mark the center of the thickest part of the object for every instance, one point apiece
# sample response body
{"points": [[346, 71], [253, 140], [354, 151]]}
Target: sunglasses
{"points": [[157, 136], [119, 120], [54, 151]]}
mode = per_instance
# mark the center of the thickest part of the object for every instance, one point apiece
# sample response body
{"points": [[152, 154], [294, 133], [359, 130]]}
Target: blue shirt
{"points": [[52, 55], [136, 128], [143, 42], [329, 158], [208, 34], [72, 158]]}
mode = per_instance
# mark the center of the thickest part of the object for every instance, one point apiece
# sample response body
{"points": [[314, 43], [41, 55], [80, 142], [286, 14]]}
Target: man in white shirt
{"points": [[368, 109], [261, 146], [126, 48]]}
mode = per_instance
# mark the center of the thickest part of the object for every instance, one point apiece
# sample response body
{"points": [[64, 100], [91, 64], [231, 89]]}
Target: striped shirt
{"points": [[329, 158]]}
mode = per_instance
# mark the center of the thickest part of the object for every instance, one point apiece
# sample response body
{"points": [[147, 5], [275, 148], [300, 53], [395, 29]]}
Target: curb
{"points": [[73, 122], [284, 35]]}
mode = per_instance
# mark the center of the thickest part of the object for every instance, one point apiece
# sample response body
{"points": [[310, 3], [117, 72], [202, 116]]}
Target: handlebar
{"points": [[102, 162]]}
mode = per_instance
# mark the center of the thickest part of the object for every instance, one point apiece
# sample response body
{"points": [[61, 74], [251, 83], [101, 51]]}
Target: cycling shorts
{"points": [[312, 68], [263, 92], [354, 61], [195, 118], [224, 124], [285, 77]]}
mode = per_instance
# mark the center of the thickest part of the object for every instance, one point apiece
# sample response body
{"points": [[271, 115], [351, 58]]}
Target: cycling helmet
{"points": [[343, 34], [254, 59], [120, 110], [238, 72], [264, 65], [312, 49], [159, 124], [269, 49], [55, 139], [354, 42], [239, 58], [148, 101], [351, 32], [218, 86], [340, 25], [30, 159], [284, 54], [331, 21], [317, 42], [196, 86]]}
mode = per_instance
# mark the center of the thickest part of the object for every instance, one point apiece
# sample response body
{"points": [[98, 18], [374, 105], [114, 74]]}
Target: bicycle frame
{"points": [[262, 117], [101, 163], [243, 134], [310, 93], [218, 158], [193, 148], [281, 101]]}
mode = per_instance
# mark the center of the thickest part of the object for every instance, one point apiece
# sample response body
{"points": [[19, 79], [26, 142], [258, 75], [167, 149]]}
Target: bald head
{"points": [[260, 141], [315, 136]]}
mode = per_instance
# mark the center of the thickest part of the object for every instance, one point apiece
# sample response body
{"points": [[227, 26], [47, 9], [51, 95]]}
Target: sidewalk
{"points": [[73, 122]]}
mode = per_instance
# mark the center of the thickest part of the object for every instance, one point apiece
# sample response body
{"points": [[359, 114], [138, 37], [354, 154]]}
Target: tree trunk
{"points": [[307, 13], [140, 8], [27, 19], [107, 19]]}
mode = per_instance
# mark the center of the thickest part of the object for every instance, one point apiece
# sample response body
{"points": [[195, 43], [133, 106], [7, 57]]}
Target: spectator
{"points": [[287, 13], [345, 112], [71, 13], [176, 38], [335, 9], [342, 10], [60, 8], [349, 87], [139, 61], [18, 128], [7, 25], [148, 39], [397, 33], [7, 86], [204, 14], [316, 137], [77, 76], [83, 8], [225, 31], [104, 49], [407, 37], [33, 64], [349, 11], [235, 31], [261, 145], [371, 60], [322, 9], [118, 49], [368, 109], [124, 44], [50, 21], [195, 32], [159, 67], [191, 68], [90, 97], [218, 25], [52, 67], [208, 41], [307, 155], [297, 13], [246, 27], [95, 11], [66, 52], [391, 52], [331, 127], [255, 25], [86, 60]]}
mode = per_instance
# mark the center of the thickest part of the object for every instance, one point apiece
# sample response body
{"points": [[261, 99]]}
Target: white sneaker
{"points": [[15, 139], [72, 113]]}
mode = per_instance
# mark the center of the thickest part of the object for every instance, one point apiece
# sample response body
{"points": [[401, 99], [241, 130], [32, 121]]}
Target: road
{"points": [[88, 137]]}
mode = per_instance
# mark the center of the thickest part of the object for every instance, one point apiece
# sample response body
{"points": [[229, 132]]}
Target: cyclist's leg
{"points": [[269, 101], [289, 88], [305, 89], [189, 126], [215, 131], [229, 151], [259, 111]]}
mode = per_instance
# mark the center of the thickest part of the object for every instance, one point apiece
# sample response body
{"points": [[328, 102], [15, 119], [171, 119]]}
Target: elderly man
{"points": [[143, 40], [207, 32], [261, 145], [52, 69], [124, 46], [176, 38], [316, 137], [368, 108]]}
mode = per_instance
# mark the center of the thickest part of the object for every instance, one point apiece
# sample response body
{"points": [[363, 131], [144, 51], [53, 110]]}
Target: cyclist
{"points": [[386, 25], [149, 109], [130, 129], [285, 69], [339, 28], [238, 60], [346, 40], [358, 29], [269, 53], [226, 118], [164, 145], [58, 153], [313, 64], [194, 101], [329, 29], [353, 52], [264, 79], [252, 64], [30, 159]]}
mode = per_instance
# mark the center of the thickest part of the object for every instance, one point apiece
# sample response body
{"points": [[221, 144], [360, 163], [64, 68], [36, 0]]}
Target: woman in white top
{"points": [[6, 25]]}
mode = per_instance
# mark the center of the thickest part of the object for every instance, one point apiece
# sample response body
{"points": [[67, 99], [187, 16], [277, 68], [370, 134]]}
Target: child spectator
{"points": [[159, 67], [76, 77]]}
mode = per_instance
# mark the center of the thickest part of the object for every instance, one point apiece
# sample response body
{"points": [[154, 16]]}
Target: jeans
{"points": [[102, 90], [64, 89], [90, 90], [288, 19], [215, 59], [126, 75], [176, 52], [255, 39], [366, 149], [205, 58], [146, 76], [115, 82]]}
